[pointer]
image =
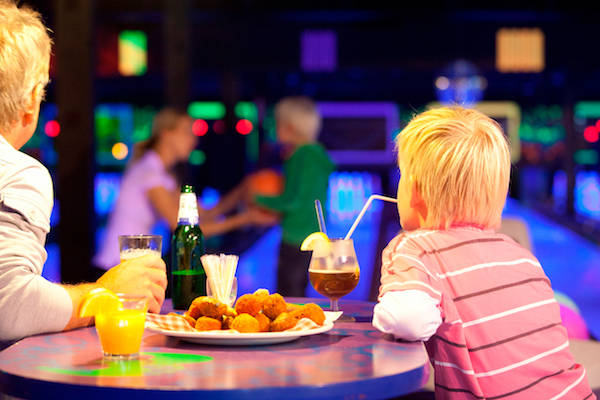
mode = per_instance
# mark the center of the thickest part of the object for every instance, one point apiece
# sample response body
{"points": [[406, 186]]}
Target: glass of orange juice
{"points": [[120, 330]]}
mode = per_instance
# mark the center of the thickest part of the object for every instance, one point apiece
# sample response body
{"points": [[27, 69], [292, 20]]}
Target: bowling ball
{"points": [[266, 182]]}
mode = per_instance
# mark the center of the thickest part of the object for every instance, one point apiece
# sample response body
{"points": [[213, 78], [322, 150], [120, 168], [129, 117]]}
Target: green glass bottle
{"points": [[187, 246]]}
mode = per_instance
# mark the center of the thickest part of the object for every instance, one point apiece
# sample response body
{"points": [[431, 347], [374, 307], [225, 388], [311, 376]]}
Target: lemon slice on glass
{"points": [[315, 240], [99, 300]]}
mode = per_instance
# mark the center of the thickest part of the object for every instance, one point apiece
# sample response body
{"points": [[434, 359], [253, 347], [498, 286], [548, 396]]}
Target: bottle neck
{"points": [[188, 209]]}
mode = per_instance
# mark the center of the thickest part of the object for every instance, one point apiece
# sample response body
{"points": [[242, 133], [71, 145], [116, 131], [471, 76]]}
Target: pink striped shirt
{"points": [[501, 335]]}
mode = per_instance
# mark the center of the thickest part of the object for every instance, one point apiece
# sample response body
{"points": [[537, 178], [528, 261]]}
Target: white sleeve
{"points": [[407, 314]]}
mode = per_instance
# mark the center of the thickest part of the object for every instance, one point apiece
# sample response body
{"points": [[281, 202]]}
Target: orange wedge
{"points": [[99, 300]]}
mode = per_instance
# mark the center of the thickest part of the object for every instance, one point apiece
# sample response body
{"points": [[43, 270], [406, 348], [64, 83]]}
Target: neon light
{"points": [[244, 127], [197, 157], [133, 53], [587, 109], [120, 151], [590, 134], [246, 110], [52, 128], [219, 127], [586, 157], [206, 110], [200, 127]]}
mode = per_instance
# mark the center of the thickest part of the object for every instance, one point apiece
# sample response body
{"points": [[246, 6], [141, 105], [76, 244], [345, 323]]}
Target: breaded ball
{"points": [[311, 311], [208, 324], [283, 322], [262, 295], [274, 305], [245, 323], [227, 320], [205, 306], [291, 307], [264, 323], [190, 320], [230, 312], [249, 304]]}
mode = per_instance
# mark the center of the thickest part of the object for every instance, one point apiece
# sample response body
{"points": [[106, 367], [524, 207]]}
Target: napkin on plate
{"points": [[176, 323]]}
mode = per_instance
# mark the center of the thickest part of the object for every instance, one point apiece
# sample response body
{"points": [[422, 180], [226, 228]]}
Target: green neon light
{"points": [[587, 109], [586, 157], [197, 157], [133, 53], [206, 110], [246, 110]]}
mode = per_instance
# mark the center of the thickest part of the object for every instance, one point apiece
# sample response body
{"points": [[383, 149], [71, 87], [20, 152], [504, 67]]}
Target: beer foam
{"points": [[134, 253]]}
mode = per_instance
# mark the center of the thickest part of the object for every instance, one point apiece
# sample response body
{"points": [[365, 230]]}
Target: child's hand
{"points": [[260, 216]]}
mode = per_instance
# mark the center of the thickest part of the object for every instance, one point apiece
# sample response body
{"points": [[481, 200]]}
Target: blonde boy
{"points": [[306, 173], [480, 301]]}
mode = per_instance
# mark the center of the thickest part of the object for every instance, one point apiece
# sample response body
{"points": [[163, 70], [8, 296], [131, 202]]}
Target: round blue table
{"points": [[351, 361]]}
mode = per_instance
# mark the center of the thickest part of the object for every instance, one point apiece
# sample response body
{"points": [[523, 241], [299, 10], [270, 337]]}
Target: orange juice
{"points": [[121, 330]]}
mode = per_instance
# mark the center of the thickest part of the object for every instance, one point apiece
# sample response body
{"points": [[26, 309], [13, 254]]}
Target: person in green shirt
{"points": [[306, 171]]}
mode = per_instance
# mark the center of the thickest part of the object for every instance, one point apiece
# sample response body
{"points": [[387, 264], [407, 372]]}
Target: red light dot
{"points": [[52, 128], [219, 126], [200, 127], [244, 126], [591, 134]]}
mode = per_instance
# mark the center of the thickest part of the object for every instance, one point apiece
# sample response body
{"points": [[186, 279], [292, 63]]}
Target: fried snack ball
{"points": [[291, 307], [190, 320], [227, 320], [249, 304], [274, 305], [208, 324], [262, 295], [311, 311], [245, 323], [230, 312], [283, 321], [205, 306], [264, 323]]}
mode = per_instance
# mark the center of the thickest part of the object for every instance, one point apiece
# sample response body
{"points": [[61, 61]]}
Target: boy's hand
{"points": [[261, 216]]}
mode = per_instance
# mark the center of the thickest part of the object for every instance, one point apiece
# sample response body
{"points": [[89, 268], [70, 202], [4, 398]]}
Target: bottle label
{"points": [[188, 209]]}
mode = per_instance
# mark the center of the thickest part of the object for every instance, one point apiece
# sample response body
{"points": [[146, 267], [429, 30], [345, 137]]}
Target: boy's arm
{"points": [[407, 314], [410, 293]]}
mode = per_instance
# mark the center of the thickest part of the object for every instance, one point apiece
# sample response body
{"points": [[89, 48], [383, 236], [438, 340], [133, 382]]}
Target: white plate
{"points": [[229, 338]]}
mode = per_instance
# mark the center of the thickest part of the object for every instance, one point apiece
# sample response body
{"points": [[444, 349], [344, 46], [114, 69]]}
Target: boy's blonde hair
{"points": [[24, 59], [460, 161], [301, 114]]}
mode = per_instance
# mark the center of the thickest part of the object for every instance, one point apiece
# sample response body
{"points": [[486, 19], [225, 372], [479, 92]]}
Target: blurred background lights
{"points": [[133, 53], [52, 128], [460, 83], [120, 151], [197, 157], [200, 127], [244, 127]]}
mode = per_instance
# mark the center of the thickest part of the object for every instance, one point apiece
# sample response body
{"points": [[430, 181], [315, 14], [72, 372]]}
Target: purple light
{"points": [[318, 50]]}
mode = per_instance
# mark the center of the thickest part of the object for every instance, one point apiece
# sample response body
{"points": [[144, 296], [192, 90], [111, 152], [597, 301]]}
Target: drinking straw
{"points": [[364, 209], [320, 218]]}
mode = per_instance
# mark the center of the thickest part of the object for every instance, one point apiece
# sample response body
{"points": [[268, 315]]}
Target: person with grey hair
{"points": [[306, 172], [29, 304]]}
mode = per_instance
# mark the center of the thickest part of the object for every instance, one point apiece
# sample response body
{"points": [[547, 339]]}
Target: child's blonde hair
{"points": [[460, 161], [24, 59], [301, 114]]}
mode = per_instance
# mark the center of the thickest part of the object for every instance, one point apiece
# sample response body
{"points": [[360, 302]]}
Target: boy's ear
{"points": [[31, 108], [417, 202]]}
